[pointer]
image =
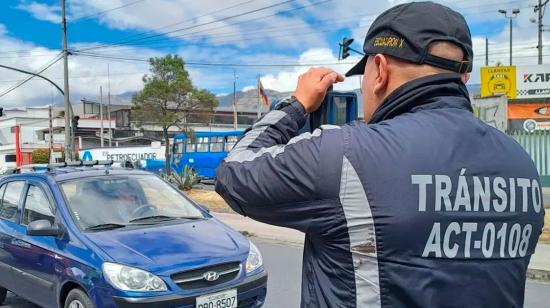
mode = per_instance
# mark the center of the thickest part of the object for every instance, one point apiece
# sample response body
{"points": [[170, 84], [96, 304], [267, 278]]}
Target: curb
{"points": [[260, 231], [538, 275]]}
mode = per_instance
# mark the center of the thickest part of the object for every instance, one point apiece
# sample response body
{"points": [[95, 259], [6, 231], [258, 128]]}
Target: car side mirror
{"points": [[43, 227]]}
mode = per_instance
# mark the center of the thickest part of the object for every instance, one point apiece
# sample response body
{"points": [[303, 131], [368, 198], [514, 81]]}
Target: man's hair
{"points": [[447, 50]]}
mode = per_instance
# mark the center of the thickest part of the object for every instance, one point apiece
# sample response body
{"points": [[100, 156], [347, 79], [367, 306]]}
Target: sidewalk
{"points": [[539, 267], [261, 230]]}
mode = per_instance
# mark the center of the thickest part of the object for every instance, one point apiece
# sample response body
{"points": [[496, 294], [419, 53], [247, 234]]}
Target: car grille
{"points": [[194, 279]]}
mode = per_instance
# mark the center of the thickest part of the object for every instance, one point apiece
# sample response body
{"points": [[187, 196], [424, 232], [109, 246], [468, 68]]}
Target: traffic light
{"points": [[75, 122], [346, 42]]}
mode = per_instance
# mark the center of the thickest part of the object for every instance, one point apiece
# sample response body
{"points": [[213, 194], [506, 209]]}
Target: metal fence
{"points": [[537, 145]]}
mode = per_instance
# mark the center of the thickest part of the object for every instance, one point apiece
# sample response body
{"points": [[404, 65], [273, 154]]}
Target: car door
{"points": [[5, 236], [9, 216], [37, 255]]}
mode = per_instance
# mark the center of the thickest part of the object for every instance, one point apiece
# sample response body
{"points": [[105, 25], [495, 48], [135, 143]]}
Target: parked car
{"points": [[84, 237]]}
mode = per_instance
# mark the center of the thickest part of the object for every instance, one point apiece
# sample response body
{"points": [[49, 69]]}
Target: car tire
{"points": [[78, 299], [3, 294]]}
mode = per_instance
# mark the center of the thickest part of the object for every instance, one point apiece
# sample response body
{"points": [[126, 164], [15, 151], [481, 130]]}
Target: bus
{"points": [[204, 152]]}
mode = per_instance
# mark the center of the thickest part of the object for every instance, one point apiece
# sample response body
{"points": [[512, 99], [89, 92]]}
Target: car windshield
{"points": [[115, 201]]}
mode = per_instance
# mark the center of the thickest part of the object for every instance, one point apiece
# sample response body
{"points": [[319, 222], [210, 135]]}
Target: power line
{"points": [[193, 26], [50, 64], [160, 39], [185, 21], [104, 11], [193, 63], [219, 64], [147, 40]]}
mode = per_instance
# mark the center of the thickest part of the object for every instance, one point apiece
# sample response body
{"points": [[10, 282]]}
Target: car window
{"points": [[10, 201], [37, 206], [2, 190], [121, 199]]}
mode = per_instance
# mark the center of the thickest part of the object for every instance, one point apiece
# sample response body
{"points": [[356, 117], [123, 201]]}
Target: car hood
{"points": [[165, 249]]}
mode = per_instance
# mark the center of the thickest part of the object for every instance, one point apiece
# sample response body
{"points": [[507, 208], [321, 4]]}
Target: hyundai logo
{"points": [[211, 276]]}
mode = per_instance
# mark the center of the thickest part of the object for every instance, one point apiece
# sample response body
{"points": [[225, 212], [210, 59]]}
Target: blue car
{"points": [[83, 237]]}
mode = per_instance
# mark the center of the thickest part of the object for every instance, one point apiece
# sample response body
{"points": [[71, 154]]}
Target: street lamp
{"points": [[515, 12]]}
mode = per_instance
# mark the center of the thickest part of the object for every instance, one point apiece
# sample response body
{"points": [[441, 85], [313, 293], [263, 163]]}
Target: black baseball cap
{"points": [[406, 31]]}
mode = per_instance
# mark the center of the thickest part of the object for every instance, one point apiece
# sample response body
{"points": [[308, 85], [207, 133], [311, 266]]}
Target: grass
{"points": [[215, 203], [210, 199]]}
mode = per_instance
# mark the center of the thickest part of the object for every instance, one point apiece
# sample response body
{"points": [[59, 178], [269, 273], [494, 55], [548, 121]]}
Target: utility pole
{"points": [[101, 114], [68, 141], [486, 52], [540, 9], [259, 98], [510, 41], [109, 106], [51, 133], [234, 100]]}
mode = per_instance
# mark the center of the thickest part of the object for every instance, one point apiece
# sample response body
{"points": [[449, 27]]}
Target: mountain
{"points": [[248, 100], [123, 98]]}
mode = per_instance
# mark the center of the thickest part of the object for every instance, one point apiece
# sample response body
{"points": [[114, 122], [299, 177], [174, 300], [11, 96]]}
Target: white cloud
{"points": [[195, 20], [285, 80], [86, 74], [41, 11], [226, 42], [248, 88]]}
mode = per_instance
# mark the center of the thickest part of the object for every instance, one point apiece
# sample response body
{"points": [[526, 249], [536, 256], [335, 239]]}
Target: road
{"points": [[284, 265]]}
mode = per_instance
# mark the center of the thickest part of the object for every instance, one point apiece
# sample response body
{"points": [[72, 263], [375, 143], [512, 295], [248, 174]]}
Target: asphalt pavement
{"points": [[284, 263]]}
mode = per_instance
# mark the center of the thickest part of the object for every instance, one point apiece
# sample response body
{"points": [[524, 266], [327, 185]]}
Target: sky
{"points": [[277, 40]]}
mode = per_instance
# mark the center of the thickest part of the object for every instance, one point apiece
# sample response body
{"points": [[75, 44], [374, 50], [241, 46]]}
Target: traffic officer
{"points": [[421, 205]]}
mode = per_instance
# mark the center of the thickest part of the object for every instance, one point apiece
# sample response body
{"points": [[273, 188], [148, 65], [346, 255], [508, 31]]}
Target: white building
{"points": [[33, 124]]}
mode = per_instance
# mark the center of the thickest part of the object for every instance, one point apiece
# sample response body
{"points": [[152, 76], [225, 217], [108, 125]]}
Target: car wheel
{"points": [[3, 294], [78, 299]]}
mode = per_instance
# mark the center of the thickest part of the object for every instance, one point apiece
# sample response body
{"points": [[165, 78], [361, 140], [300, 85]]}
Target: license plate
{"points": [[225, 299]]}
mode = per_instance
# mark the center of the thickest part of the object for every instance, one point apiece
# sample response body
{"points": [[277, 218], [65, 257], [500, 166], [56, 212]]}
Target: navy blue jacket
{"points": [[425, 206]]}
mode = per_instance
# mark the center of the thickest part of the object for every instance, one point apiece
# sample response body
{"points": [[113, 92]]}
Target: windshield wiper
{"points": [[163, 218], [107, 226]]}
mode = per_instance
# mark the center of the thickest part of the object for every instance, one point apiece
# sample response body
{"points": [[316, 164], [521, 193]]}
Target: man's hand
{"points": [[313, 85]]}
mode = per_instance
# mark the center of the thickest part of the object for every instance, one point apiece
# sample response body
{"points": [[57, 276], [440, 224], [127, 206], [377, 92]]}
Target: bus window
{"points": [[202, 144], [216, 144], [189, 147], [178, 150], [230, 143]]}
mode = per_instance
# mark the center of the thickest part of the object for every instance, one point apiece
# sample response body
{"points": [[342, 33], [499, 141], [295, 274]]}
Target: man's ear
{"points": [[465, 77], [382, 78]]}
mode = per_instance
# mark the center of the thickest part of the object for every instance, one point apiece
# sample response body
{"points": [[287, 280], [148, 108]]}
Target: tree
{"points": [[168, 98]]}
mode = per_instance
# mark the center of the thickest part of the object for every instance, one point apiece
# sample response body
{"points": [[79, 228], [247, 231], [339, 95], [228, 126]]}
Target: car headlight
{"points": [[254, 260], [128, 278]]}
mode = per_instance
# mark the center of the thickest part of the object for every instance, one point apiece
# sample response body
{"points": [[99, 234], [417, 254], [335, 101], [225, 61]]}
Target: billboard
{"points": [[516, 82], [533, 81], [122, 153], [497, 80], [529, 111]]}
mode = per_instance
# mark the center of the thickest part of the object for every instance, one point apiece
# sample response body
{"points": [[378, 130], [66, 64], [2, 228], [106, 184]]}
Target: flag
{"points": [[263, 97]]}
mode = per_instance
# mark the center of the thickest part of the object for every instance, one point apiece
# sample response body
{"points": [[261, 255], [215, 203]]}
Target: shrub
{"points": [[40, 156], [185, 180]]}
